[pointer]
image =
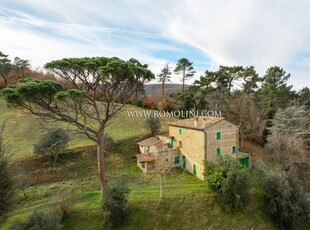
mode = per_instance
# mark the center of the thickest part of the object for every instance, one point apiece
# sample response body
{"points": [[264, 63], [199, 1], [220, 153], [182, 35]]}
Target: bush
{"points": [[52, 143], [63, 209], [165, 105], [6, 182], [39, 221], [216, 172], [115, 206], [109, 142], [286, 203], [153, 125], [154, 107], [138, 103], [229, 181], [234, 192], [148, 102]]}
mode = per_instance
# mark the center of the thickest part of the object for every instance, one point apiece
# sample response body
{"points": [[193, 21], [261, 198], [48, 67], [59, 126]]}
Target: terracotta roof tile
{"points": [[145, 158], [203, 122], [149, 142]]}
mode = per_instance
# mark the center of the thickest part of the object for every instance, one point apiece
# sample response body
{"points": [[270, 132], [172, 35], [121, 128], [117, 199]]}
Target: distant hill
{"points": [[154, 90]]}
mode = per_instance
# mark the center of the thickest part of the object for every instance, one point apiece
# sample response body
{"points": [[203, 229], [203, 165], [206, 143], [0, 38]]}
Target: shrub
{"points": [[115, 206], [214, 176], [6, 182], [64, 208], [39, 221], [148, 102], [286, 203], [154, 107], [52, 143], [234, 192], [153, 125], [138, 103], [109, 142], [229, 181], [216, 172], [165, 105]]}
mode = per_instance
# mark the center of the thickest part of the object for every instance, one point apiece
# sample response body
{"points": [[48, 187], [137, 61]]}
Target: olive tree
{"points": [[285, 200], [101, 87], [153, 125], [52, 143]]}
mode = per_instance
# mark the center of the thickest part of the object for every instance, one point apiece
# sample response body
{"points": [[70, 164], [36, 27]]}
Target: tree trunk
{"points": [[101, 166], [183, 82], [6, 80], [160, 187], [163, 89]]}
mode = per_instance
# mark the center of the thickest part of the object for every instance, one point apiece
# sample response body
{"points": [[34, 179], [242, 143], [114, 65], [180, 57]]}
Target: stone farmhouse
{"points": [[190, 143]]}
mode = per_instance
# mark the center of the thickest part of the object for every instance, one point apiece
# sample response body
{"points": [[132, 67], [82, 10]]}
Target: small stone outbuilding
{"points": [[155, 149]]}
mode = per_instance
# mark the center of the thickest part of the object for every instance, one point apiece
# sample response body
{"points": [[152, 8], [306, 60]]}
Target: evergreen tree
{"points": [[20, 65], [184, 67], [163, 77], [304, 97], [6, 181], [274, 94], [102, 87], [5, 68]]}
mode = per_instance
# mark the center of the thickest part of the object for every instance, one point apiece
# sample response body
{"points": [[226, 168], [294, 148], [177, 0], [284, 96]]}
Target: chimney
{"points": [[196, 122], [204, 123]]}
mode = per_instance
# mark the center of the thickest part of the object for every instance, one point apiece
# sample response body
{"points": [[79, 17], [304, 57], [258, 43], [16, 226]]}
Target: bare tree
{"points": [[162, 169]]}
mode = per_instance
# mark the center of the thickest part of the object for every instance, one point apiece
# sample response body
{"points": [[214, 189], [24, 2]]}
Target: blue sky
{"points": [[210, 33]]}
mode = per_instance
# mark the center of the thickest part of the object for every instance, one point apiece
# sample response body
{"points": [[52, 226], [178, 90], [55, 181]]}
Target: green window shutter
{"points": [[218, 136], [184, 162], [180, 131], [233, 149], [218, 151], [195, 170], [171, 143], [176, 160], [244, 162]]}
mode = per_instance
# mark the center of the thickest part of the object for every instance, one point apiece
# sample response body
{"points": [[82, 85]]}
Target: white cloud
{"points": [[262, 33]]}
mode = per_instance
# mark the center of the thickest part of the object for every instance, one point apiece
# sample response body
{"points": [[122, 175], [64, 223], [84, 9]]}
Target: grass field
{"points": [[187, 202]]}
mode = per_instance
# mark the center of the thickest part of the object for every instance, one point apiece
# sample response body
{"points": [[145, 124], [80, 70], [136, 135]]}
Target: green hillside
{"points": [[187, 202]]}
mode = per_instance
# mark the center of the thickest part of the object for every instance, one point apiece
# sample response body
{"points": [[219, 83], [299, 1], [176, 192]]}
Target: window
{"points": [[233, 149], [184, 162], [180, 144], [194, 170], [218, 151], [218, 136], [180, 131], [171, 143], [176, 160]]}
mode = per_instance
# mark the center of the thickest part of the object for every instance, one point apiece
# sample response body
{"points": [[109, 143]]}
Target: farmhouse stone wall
{"points": [[193, 148], [229, 138], [201, 145]]}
